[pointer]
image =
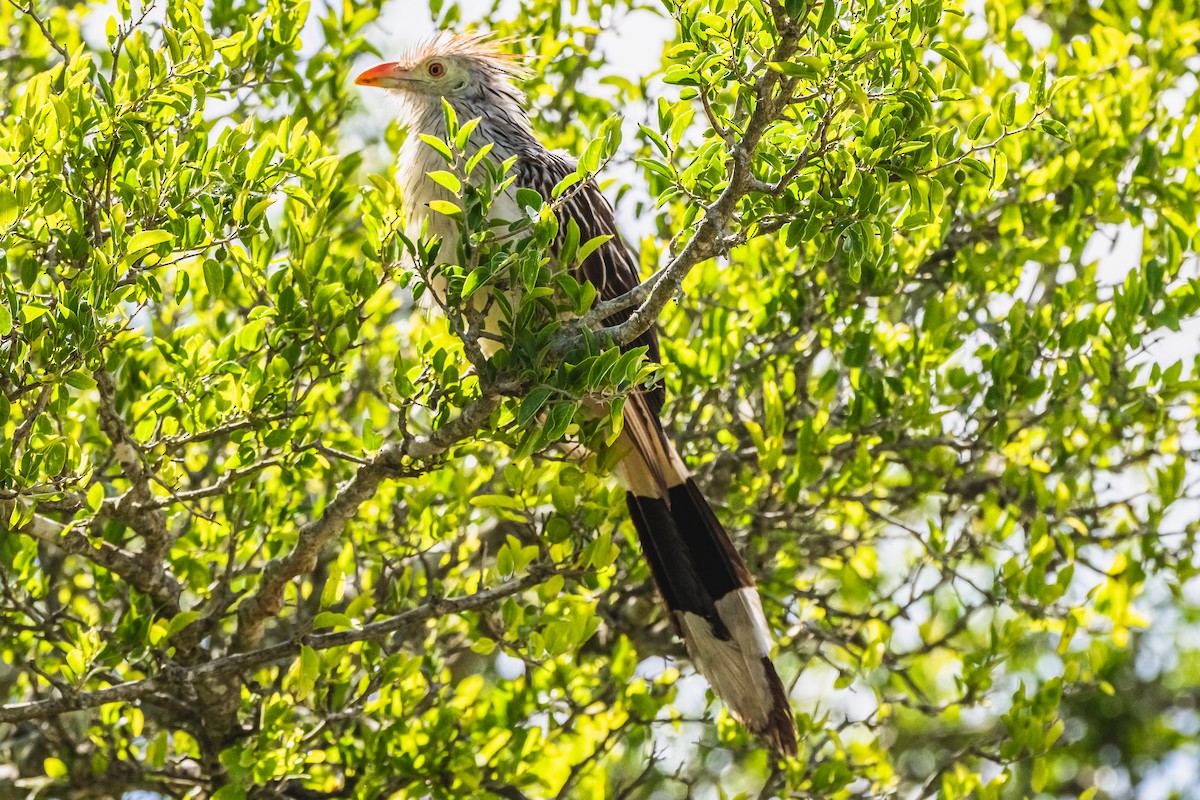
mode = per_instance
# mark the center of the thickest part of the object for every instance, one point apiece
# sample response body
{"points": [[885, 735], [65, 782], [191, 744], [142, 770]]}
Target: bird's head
{"points": [[449, 65]]}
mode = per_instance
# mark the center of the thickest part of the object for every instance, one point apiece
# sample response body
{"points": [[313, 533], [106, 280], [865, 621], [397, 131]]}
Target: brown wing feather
{"points": [[612, 267]]}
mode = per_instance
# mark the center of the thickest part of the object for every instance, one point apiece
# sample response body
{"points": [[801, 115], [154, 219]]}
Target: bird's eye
{"points": [[437, 69]]}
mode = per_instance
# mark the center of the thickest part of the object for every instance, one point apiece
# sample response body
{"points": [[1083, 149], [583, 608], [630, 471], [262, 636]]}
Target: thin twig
{"points": [[240, 662]]}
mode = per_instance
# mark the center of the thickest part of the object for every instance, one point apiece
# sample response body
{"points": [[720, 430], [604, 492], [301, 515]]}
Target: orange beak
{"points": [[383, 76]]}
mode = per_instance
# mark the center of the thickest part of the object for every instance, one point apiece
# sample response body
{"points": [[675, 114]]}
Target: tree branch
{"points": [[239, 662], [45, 29], [135, 509], [395, 459], [26, 427], [120, 562]]}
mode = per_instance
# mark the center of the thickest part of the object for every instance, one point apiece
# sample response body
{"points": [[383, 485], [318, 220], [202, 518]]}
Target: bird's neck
{"points": [[508, 131], [509, 134]]}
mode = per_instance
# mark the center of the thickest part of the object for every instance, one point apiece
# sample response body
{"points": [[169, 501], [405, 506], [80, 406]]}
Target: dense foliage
{"points": [[268, 531]]}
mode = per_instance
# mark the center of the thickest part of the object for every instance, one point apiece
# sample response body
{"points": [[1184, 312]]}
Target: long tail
{"points": [[709, 595]]}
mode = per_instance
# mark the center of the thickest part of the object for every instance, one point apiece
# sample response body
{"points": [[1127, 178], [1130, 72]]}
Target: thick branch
{"points": [[135, 509], [116, 560]]}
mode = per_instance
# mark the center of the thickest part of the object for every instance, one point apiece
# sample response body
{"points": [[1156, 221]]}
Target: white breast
{"points": [[415, 161]]}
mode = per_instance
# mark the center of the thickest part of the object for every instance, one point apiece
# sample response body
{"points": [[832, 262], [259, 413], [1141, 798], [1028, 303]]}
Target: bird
{"points": [[709, 595]]}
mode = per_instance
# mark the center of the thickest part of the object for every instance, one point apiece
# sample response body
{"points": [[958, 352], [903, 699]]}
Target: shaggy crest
{"points": [[482, 46]]}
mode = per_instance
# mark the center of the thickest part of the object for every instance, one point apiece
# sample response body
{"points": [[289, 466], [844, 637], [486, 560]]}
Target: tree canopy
{"points": [[926, 280]]}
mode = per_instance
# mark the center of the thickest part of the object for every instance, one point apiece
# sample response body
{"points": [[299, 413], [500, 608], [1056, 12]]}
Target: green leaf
{"points": [[181, 621], [448, 180], [829, 10], [566, 183], [331, 619], [591, 246], [156, 751], [528, 198], [999, 168], [463, 137], [558, 420], [450, 116], [9, 208], [307, 670], [1037, 85], [214, 277], [978, 165], [532, 403], [570, 244], [1008, 108], [55, 458], [484, 646], [793, 69], [258, 160], [32, 311], [334, 588], [975, 126], [679, 75], [477, 277], [441, 147], [95, 497], [817, 64], [1054, 128], [445, 207], [951, 54], [143, 241]]}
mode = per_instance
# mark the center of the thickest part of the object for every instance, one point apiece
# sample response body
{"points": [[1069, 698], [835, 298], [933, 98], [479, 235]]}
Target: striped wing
{"points": [[611, 268]]}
